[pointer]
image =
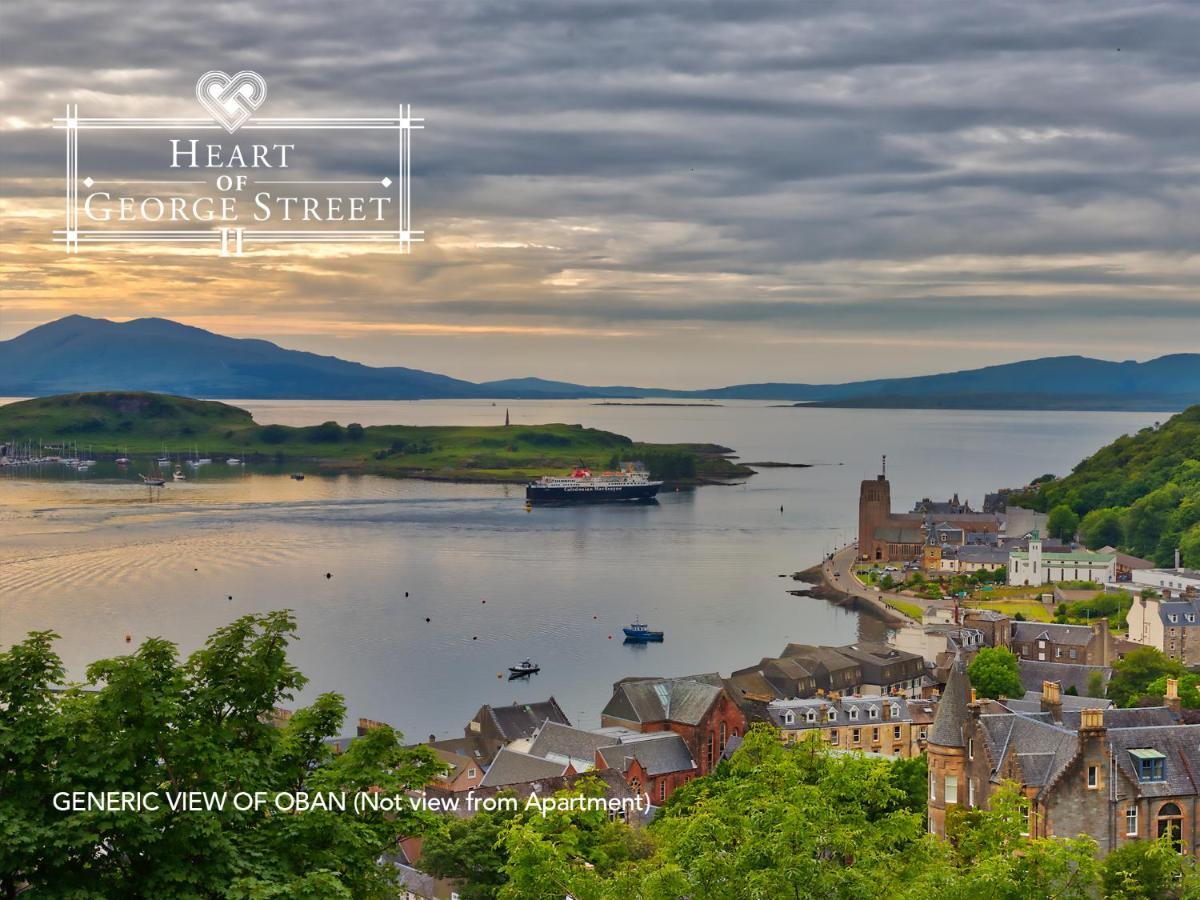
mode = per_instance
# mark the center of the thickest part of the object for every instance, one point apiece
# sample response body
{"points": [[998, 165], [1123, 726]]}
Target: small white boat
{"points": [[164, 461], [178, 475], [153, 480], [233, 461], [122, 460], [297, 476]]}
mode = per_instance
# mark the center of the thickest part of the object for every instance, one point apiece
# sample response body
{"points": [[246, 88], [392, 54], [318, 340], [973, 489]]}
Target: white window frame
{"points": [[1093, 778], [1131, 821], [951, 781]]}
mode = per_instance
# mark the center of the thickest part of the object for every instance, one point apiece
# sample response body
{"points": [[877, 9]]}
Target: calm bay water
{"points": [[96, 559]]}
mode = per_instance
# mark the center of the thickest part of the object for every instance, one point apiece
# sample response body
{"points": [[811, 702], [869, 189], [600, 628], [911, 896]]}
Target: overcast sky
{"points": [[676, 194]]}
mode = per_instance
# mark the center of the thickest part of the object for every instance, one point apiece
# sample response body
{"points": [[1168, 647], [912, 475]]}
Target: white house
{"points": [[1037, 567]]}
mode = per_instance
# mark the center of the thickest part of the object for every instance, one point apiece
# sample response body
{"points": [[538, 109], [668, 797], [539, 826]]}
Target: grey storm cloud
{"points": [[831, 165]]}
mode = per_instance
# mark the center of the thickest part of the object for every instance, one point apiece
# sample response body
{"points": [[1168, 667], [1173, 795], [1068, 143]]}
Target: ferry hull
{"points": [[561, 495]]}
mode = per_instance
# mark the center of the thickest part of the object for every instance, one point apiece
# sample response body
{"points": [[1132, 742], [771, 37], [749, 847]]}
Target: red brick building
{"points": [[697, 708]]}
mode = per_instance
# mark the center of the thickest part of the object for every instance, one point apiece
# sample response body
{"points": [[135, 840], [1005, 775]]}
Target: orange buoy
{"points": [[128, 638]]}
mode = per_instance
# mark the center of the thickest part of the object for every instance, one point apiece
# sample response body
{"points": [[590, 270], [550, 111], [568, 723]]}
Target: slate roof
{"points": [[682, 700], [562, 743], [1180, 744], [778, 710], [898, 535], [973, 553], [1041, 747], [1077, 635], [1138, 717], [520, 720], [511, 767], [658, 753], [1034, 672], [1181, 609], [1082, 556], [952, 711], [456, 762], [922, 712], [875, 657]]}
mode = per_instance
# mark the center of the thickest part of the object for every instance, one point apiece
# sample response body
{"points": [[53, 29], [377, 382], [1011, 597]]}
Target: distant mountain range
{"points": [[77, 353]]}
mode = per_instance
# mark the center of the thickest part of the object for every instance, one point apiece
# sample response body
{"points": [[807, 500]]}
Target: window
{"points": [[895, 732], [1170, 825], [873, 712], [1131, 823], [833, 735], [1026, 817], [895, 710], [789, 717], [811, 715], [854, 713], [662, 790], [923, 733], [970, 748], [1057, 652], [854, 735], [1191, 617], [951, 789], [971, 792], [932, 785], [874, 735], [1093, 777], [471, 773], [1150, 765], [832, 715], [1174, 617], [723, 735]]}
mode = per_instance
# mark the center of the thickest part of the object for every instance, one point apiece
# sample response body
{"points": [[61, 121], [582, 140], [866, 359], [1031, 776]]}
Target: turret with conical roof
{"points": [[952, 712], [946, 750]]}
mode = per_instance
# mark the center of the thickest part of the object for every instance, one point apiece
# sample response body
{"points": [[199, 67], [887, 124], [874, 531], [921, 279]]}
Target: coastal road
{"points": [[838, 571]]}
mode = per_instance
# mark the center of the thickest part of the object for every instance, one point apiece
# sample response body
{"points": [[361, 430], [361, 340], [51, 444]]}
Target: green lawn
{"points": [[912, 610], [1031, 610]]}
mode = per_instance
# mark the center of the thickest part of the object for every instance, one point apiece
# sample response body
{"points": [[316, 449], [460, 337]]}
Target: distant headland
{"points": [[77, 353]]}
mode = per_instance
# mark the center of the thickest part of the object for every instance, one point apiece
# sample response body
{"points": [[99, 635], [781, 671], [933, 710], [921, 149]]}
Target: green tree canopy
{"points": [[1062, 522], [151, 722], [1133, 675], [994, 673], [1102, 528]]}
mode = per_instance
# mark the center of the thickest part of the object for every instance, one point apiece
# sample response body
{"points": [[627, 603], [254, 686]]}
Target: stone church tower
{"points": [[946, 751], [874, 510]]}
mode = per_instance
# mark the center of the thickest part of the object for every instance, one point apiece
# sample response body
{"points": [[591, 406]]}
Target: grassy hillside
{"points": [[1141, 492], [143, 424]]}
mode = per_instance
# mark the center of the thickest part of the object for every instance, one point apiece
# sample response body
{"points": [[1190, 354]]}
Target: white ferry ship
{"points": [[581, 486]]}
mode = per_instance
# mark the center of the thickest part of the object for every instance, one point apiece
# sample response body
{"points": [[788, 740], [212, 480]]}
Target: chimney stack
{"points": [[1091, 719], [1171, 701], [1052, 699]]}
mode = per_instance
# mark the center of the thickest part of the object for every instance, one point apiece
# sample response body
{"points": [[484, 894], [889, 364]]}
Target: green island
{"points": [[141, 425], [1141, 493]]}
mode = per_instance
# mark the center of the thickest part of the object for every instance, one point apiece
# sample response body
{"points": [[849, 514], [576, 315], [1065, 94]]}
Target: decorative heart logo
{"points": [[231, 99]]}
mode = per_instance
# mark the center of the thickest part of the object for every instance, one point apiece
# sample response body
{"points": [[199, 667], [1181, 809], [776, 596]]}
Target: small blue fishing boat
{"points": [[641, 633]]}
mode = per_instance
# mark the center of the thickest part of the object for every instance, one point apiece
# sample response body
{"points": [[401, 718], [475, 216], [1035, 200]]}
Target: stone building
{"points": [[697, 708], [1116, 775], [884, 536], [1085, 645], [877, 724], [1169, 625]]}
